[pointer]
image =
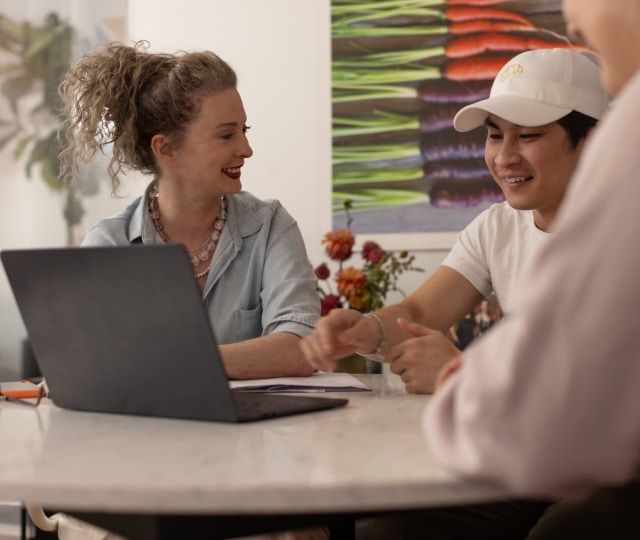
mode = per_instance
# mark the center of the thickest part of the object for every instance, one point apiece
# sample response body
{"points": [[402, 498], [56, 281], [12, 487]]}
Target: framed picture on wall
{"points": [[401, 69]]}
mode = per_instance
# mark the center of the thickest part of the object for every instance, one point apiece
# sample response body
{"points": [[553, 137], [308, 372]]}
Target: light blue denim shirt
{"points": [[260, 282]]}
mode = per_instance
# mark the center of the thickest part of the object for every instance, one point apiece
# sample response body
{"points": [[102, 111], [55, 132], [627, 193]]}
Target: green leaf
{"points": [[39, 152], [378, 122], [12, 30], [41, 40], [73, 209], [371, 199], [17, 87], [49, 172], [363, 77], [371, 176], [22, 144], [342, 93], [7, 69], [387, 58]]}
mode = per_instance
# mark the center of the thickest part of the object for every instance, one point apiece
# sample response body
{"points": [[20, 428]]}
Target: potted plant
{"points": [[33, 60], [38, 55]]}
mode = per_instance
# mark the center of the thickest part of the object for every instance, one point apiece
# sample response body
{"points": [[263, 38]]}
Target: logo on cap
{"points": [[511, 69]]}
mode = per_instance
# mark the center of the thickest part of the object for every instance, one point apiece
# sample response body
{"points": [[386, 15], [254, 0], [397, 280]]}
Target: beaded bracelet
{"points": [[376, 354]]}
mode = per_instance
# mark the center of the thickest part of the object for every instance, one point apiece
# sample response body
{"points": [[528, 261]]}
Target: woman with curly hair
{"points": [[180, 119]]}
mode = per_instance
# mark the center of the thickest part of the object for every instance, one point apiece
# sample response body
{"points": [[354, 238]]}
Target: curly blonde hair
{"points": [[123, 95]]}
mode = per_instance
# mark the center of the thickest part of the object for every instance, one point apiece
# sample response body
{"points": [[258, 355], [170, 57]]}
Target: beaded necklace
{"points": [[204, 251]]}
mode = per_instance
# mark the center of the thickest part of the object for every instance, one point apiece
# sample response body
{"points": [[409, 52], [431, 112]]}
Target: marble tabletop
{"points": [[367, 456]]}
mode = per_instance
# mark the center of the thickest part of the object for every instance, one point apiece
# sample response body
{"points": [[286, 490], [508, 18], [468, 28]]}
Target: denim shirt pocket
{"points": [[247, 323]]}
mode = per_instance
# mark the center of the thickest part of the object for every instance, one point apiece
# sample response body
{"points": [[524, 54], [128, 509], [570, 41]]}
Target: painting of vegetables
{"points": [[401, 69]]}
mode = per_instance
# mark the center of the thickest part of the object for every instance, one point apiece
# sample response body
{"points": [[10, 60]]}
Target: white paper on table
{"points": [[318, 382]]}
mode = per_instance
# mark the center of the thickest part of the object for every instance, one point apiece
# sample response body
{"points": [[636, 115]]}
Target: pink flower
{"points": [[322, 271], [329, 302], [372, 252], [339, 244]]}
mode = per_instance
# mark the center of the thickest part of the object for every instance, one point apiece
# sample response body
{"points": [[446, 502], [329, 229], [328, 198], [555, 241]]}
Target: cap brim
{"points": [[515, 109]]}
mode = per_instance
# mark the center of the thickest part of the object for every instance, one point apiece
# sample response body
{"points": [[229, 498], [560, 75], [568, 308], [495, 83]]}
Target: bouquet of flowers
{"points": [[362, 288]]}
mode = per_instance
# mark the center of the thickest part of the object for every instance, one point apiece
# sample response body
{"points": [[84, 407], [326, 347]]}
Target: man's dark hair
{"points": [[577, 126]]}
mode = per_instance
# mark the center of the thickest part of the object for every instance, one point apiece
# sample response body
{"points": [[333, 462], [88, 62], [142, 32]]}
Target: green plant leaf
{"points": [[73, 209], [21, 146], [17, 87], [50, 171], [11, 31], [41, 40], [39, 152], [8, 69], [38, 56], [370, 199]]}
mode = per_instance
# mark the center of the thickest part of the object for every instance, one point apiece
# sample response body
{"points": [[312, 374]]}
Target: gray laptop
{"points": [[124, 330]]}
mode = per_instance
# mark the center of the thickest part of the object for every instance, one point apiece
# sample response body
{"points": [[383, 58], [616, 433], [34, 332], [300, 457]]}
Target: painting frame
{"points": [[369, 45]]}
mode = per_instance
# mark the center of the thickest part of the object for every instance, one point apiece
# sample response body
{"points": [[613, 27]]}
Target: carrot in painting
{"points": [[475, 69], [484, 25], [480, 43], [356, 85], [460, 47], [467, 13], [472, 2]]}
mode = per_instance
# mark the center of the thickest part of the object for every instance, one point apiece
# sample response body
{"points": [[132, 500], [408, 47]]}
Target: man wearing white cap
{"points": [[542, 106]]}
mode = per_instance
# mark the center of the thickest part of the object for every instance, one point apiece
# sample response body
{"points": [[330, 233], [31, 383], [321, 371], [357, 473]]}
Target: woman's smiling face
{"points": [[532, 165], [215, 145]]}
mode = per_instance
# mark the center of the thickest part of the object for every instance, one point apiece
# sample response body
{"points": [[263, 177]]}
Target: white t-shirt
{"points": [[491, 251]]}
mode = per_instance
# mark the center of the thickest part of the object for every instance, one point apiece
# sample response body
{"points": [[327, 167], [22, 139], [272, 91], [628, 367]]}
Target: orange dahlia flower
{"points": [[339, 244], [351, 281]]}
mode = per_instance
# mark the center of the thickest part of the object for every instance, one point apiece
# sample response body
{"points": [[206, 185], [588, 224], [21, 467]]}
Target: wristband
{"points": [[376, 354]]}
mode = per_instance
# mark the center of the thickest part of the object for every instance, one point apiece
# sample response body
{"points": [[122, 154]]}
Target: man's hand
{"points": [[419, 360], [340, 333]]}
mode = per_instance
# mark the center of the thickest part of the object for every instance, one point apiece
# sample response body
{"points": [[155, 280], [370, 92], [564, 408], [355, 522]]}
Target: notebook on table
{"points": [[124, 330]]}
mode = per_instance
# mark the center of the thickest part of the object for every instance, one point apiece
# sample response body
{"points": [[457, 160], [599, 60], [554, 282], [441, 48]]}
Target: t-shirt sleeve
{"points": [[468, 256]]}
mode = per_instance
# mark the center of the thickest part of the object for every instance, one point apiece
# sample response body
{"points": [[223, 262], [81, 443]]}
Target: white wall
{"points": [[281, 51]]}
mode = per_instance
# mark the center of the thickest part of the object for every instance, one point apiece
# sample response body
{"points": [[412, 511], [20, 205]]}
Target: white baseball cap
{"points": [[539, 87]]}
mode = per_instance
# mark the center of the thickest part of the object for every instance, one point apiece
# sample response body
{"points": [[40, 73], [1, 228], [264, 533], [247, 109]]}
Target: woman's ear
{"points": [[162, 148]]}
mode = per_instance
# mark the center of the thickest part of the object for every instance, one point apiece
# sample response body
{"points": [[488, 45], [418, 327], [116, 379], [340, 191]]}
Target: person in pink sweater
{"points": [[548, 402]]}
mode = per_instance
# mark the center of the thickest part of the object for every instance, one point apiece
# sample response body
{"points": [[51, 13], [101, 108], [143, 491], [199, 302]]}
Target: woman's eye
{"points": [[245, 128]]}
